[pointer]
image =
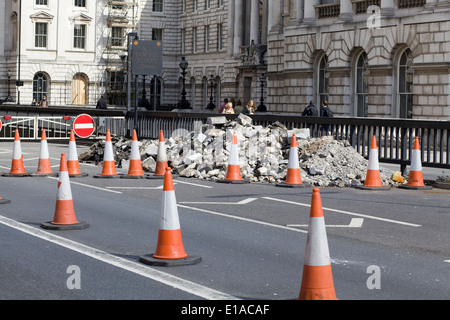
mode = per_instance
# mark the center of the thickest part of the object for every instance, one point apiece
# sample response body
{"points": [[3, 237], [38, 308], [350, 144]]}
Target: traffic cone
{"points": [[373, 178], [169, 250], [293, 177], [415, 179], [3, 201], [17, 166], [64, 218], [44, 167], [135, 166], [233, 169], [72, 158], [317, 278], [161, 159], [109, 164]]}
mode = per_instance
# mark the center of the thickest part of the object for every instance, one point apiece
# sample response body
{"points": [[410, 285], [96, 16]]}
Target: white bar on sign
{"points": [[84, 125]]}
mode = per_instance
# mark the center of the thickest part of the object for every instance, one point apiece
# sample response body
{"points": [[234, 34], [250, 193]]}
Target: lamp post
{"points": [[262, 107], [9, 98], [211, 104], [183, 103]]}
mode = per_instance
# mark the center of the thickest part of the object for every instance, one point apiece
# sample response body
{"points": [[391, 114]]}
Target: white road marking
{"points": [[131, 266], [243, 219], [447, 261], [354, 223], [347, 212], [245, 201], [194, 184], [138, 188], [89, 186]]}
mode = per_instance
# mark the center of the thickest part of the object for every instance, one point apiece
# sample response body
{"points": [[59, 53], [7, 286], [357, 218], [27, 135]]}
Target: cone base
{"points": [[405, 186], [133, 177], [107, 176], [51, 226], [373, 188], [76, 175], [15, 175], [287, 185], [157, 176], [149, 259], [3, 201]]}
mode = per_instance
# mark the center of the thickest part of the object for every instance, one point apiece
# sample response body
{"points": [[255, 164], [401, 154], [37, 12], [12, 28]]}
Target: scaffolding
{"points": [[122, 18]]}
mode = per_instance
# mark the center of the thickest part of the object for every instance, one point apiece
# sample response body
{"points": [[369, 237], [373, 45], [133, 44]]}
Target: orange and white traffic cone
{"points": [[72, 158], [234, 169], [109, 164], [17, 166], [44, 166], [161, 159], [415, 179], [135, 165], [317, 278], [170, 249], [293, 176], [373, 178], [64, 218]]}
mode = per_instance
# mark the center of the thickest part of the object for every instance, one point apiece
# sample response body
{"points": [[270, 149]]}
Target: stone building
{"points": [[368, 58]]}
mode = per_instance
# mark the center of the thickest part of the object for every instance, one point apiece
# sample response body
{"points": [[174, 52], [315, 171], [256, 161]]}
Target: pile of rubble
{"points": [[263, 154]]}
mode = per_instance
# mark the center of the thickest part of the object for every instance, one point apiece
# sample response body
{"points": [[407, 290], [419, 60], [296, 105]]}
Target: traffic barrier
{"points": [[293, 175], [373, 178], [17, 166], [109, 164], [317, 278], [44, 167], [233, 169], [135, 166], [170, 249], [161, 159], [64, 217], [72, 158], [415, 178]]}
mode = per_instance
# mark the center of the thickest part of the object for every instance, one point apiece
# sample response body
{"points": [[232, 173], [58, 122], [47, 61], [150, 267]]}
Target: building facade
{"points": [[368, 58]]}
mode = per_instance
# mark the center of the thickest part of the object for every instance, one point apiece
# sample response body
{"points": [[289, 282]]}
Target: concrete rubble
{"points": [[263, 154]]}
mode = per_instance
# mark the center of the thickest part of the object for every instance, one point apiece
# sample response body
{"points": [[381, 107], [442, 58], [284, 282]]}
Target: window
{"points": [[40, 35], [361, 85], [184, 6], [80, 3], [195, 5], [117, 36], [158, 5], [219, 36], [157, 34], [41, 3], [206, 38], [323, 76], [183, 40], [79, 36], [405, 83], [194, 40], [39, 87], [207, 4]]}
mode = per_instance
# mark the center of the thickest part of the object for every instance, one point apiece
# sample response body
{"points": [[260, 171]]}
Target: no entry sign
{"points": [[83, 125]]}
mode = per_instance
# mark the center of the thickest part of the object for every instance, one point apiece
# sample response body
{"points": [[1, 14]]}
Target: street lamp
{"points": [[262, 107], [211, 105], [9, 98], [183, 103]]}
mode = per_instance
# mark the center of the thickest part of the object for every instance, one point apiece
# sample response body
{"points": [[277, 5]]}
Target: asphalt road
{"points": [[251, 238]]}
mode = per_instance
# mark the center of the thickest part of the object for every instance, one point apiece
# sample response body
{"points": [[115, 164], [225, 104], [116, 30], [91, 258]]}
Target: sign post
{"points": [[83, 125]]}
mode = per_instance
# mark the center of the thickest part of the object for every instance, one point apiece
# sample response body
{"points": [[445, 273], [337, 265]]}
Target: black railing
{"points": [[395, 137]]}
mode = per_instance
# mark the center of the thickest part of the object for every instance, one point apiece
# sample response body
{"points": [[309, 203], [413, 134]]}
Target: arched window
{"points": [[40, 87], [323, 77], [405, 83], [361, 86]]}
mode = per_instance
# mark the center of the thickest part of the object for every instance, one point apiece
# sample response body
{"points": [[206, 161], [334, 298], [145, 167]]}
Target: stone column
{"points": [[346, 11], [254, 22], [274, 16], [387, 8], [300, 10], [310, 12], [238, 26]]}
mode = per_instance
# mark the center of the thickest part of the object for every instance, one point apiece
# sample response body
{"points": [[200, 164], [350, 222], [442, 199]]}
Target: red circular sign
{"points": [[83, 125]]}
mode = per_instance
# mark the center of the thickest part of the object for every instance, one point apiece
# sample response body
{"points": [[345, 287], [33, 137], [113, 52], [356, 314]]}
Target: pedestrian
{"points": [[34, 102], [44, 102], [228, 108], [310, 110], [222, 106], [101, 103], [250, 107], [238, 108], [326, 112]]}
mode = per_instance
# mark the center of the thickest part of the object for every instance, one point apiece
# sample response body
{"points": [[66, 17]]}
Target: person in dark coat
{"points": [[101, 103]]}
